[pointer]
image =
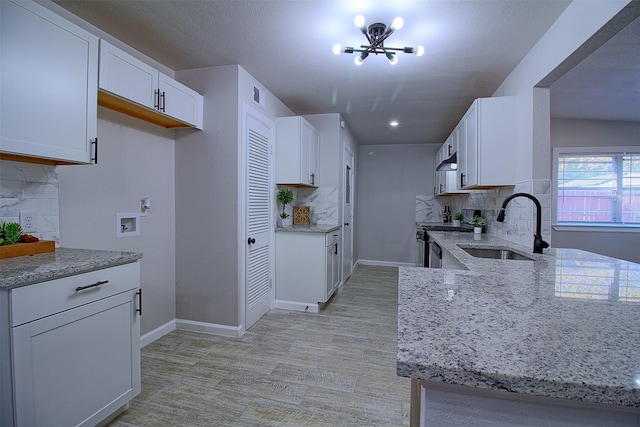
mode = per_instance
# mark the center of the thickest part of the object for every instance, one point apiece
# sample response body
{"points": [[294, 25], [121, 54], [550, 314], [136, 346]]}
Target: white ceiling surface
{"points": [[470, 48]]}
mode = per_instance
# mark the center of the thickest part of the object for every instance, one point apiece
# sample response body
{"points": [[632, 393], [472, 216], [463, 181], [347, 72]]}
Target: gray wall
{"points": [[593, 133], [136, 160], [389, 179], [207, 196]]}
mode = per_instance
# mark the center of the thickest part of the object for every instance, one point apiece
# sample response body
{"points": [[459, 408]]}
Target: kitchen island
{"points": [[551, 336]]}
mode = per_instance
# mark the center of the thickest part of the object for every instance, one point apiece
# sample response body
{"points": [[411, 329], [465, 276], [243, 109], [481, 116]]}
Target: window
{"points": [[598, 188]]}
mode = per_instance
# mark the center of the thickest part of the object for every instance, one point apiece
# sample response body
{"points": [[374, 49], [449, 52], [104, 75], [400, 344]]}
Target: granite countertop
{"points": [[313, 228], [27, 270], [564, 325]]}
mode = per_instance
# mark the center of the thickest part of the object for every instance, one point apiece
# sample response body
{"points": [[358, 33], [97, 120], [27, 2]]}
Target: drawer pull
{"points": [[82, 288]]}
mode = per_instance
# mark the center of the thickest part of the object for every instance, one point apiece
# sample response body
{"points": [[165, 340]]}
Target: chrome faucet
{"points": [[538, 243]]}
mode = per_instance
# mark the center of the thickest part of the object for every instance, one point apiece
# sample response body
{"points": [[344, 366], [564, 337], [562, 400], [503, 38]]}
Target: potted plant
{"points": [[478, 222], [285, 196], [457, 218]]}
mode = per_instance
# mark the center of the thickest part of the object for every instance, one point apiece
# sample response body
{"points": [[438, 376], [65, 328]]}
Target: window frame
{"points": [[613, 227]]}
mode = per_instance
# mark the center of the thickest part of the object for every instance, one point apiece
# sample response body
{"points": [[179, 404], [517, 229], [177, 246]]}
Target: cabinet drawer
{"points": [[36, 301]]}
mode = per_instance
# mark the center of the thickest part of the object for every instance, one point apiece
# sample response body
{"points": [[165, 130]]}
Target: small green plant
{"points": [[285, 196], [458, 216], [478, 221], [10, 233]]}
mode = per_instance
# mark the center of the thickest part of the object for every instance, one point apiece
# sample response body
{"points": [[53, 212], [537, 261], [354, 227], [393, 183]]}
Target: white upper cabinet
{"points": [[126, 84], [128, 77], [445, 180], [49, 81], [487, 144], [297, 144]]}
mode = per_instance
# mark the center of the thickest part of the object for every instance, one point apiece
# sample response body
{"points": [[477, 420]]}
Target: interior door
{"points": [[258, 138], [348, 225]]}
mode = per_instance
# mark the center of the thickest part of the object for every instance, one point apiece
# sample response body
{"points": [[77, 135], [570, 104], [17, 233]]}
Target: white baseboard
{"points": [[385, 263], [158, 332], [296, 306], [209, 328]]}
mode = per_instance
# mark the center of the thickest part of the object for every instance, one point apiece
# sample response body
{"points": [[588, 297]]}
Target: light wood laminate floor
{"points": [[334, 368]]}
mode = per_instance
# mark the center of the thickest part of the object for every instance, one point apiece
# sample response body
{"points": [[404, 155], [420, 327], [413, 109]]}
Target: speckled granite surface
{"points": [[316, 228], [566, 325], [27, 270]]}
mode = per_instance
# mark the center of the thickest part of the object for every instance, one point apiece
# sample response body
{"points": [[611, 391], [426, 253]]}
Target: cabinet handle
{"points": [[434, 190], [346, 224], [336, 249], [156, 101], [313, 179], [251, 240], [461, 180], [139, 309], [81, 288], [94, 159], [441, 188], [163, 102], [449, 149]]}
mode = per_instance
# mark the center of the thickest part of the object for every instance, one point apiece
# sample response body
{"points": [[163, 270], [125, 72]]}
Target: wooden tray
{"points": [[22, 249]]}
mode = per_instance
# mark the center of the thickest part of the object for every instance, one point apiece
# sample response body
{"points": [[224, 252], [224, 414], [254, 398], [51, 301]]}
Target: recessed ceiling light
{"points": [[393, 123]]}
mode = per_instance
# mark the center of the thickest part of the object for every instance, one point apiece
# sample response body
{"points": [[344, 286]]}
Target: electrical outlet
{"points": [[28, 221]]}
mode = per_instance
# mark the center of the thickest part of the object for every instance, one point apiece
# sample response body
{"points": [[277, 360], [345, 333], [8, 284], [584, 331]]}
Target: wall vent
{"points": [[257, 97]]}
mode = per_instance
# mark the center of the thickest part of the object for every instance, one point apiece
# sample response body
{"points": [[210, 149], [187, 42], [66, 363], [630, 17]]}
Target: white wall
{"points": [[136, 160], [389, 179], [594, 133]]}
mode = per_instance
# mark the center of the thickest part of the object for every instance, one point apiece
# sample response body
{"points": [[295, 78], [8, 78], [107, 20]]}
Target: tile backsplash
{"points": [[32, 188], [519, 224], [323, 203]]}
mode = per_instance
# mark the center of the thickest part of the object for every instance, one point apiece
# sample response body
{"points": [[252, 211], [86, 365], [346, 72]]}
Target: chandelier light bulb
{"points": [[337, 49], [420, 51], [359, 21], [397, 23], [358, 60], [393, 59]]}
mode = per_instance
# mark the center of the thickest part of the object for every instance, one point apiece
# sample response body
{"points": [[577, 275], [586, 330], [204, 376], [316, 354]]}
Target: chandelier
{"points": [[376, 34]]}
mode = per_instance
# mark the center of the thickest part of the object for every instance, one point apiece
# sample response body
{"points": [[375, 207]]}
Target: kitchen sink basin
{"points": [[493, 253]]}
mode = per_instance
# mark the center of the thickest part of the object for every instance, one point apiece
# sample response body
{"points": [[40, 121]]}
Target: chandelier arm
{"points": [[384, 36]]}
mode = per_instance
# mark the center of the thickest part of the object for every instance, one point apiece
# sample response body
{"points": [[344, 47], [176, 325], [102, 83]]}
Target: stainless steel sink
{"points": [[493, 253]]}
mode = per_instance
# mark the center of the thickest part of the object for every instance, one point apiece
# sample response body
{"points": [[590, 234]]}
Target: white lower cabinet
{"points": [[307, 268], [75, 347]]}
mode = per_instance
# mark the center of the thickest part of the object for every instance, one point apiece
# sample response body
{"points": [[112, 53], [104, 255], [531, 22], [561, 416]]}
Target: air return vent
{"points": [[258, 98]]}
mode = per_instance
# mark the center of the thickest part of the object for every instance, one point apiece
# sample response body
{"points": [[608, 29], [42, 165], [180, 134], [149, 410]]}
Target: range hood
{"points": [[449, 164]]}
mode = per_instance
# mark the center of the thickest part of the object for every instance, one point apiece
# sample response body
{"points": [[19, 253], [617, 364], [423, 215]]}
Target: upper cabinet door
{"points": [[127, 77], [49, 80], [179, 101], [132, 87]]}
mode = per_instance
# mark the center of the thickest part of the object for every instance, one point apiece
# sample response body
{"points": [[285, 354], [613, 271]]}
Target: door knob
{"points": [[251, 240], [346, 224]]}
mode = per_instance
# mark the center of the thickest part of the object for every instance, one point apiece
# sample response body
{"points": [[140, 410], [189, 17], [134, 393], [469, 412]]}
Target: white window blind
{"points": [[598, 188]]}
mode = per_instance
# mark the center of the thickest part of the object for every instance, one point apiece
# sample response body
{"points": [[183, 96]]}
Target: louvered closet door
{"points": [[258, 273]]}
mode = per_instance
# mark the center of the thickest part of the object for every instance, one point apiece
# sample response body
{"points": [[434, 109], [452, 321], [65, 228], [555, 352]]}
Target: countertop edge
{"points": [[29, 270]]}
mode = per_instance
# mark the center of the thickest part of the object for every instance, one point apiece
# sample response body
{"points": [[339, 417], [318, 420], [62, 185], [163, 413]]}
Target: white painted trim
{"points": [[157, 333], [209, 328], [385, 263], [297, 306], [613, 228]]}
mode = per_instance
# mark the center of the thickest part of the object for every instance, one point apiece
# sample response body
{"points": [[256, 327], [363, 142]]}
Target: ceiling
{"points": [[470, 48]]}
